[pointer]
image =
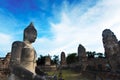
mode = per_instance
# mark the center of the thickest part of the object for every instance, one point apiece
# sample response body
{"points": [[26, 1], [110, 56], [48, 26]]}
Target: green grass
{"points": [[69, 75]]}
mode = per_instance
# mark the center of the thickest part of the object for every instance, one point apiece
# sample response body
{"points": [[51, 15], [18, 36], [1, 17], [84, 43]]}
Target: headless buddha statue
{"points": [[23, 57]]}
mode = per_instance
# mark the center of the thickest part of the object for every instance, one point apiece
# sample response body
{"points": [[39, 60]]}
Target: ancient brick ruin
{"points": [[4, 64], [47, 60], [63, 59], [82, 57], [103, 68]]}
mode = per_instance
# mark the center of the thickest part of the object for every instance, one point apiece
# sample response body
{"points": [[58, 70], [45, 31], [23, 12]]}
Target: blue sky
{"points": [[61, 24]]}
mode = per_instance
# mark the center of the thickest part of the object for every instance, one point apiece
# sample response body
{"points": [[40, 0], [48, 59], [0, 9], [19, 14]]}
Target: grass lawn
{"points": [[69, 75]]}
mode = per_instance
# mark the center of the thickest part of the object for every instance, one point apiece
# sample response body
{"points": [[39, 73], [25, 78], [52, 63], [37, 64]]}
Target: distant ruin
{"points": [[4, 66], [102, 68], [107, 67], [47, 60], [82, 57], [63, 59]]}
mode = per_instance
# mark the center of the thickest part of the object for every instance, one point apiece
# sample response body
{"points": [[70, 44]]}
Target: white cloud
{"points": [[76, 27], [8, 30], [79, 24], [5, 44]]}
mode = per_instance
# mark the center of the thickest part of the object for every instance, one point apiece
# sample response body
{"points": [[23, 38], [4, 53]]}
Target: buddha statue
{"points": [[23, 57], [28, 54]]}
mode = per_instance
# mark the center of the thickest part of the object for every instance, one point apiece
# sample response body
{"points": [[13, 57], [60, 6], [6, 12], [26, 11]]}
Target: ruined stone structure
{"points": [[112, 49], [4, 63], [47, 60], [101, 68], [108, 67], [82, 57], [63, 59], [23, 57], [81, 53]]}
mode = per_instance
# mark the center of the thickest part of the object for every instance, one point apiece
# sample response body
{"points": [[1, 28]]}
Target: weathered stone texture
{"points": [[111, 47], [81, 53], [16, 52], [82, 57], [4, 70], [23, 56], [110, 42], [4, 62], [63, 58]]}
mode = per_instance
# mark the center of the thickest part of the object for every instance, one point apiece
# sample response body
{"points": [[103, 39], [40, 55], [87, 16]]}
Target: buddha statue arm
{"points": [[16, 52]]}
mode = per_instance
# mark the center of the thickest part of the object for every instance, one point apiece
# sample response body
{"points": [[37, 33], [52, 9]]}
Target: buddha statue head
{"points": [[30, 33]]}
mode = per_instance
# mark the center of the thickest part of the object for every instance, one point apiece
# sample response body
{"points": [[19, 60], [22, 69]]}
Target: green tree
{"points": [[41, 60], [55, 59], [72, 58], [91, 54], [100, 55]]}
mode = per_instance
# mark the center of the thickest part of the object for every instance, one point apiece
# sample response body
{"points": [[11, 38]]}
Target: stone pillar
{"points": [[111, 48], [63, 59], [81, 53], [82, 57]]}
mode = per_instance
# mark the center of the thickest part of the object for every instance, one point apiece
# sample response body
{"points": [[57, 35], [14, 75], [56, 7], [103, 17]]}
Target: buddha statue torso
{"points": [[28, 57]]}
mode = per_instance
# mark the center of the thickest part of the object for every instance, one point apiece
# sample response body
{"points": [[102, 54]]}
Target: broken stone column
{"points": [[82, 57], [81, 53], [63, 59], [111, 48]]}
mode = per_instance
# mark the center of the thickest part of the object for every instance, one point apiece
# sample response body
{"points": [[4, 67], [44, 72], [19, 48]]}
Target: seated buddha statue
{"points": [[23, 57]]}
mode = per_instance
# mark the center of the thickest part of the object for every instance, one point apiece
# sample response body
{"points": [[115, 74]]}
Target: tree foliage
{"points": [[91, 54], [55, 59], [94, 55], [41, 60], [72, 58], [100, 55]]}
